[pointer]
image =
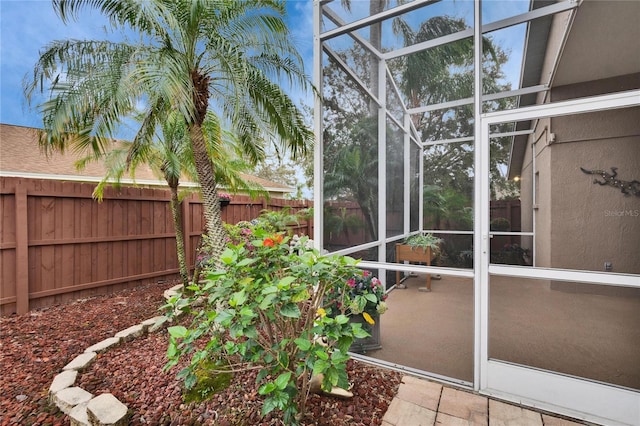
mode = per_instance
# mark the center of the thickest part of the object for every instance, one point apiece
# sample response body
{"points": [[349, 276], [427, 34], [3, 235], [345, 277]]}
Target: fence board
{"points": [[22, 248], [58, 244]]}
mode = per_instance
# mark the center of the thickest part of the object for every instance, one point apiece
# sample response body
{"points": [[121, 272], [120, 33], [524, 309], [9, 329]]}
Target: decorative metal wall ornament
{"points": [[628, 187]]}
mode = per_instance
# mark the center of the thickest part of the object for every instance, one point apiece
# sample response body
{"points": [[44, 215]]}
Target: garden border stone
{"points": [[81, 406], [103, 346], [81, 362], [63, 380]]}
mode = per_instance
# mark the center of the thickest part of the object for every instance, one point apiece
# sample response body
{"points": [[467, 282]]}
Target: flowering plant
{"points": [[264, 309], [224, 196], [240, 233], [362, 294]]}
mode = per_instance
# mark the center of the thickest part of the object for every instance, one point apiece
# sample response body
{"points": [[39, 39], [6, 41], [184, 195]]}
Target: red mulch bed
{"points": [[34, 347]]}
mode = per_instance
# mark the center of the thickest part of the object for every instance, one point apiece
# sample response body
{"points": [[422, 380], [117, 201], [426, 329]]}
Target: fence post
{"points": [[22, 249], [186, 229], [309, 219]]}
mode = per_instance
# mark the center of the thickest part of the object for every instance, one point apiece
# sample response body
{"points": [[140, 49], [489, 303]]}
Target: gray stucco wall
{"points": [[579, 224]]}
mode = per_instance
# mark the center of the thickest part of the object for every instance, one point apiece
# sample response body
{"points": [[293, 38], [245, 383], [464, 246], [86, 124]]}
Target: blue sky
{"points": [[27, 26]]}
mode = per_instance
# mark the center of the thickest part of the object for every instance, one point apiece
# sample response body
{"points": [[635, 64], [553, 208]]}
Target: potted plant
{"points": [[419, 248], [224, 198], [424, 242], [362, 299]]}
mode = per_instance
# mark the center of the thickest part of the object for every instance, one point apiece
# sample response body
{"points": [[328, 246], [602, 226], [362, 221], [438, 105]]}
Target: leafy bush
{"points": [[268, 310], [500, 224]]}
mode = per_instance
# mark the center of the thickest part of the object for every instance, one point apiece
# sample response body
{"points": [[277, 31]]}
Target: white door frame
{"points": [[579, 398]]}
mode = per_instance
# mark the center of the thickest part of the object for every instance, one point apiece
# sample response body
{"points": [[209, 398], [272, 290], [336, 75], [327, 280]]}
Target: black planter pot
{"points": [[224, 203], [370, 343]]}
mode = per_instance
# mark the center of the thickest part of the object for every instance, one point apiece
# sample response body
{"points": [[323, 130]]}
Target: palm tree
{"points": [[375, 37], [354, 173], [170, 158], [193, 56]]}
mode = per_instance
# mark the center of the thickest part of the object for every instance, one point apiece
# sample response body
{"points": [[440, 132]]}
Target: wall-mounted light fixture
{"points": [[551, 139]]}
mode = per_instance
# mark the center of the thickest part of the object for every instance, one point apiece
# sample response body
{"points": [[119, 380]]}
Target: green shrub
{"points": [[267, 310], [500, 224]]}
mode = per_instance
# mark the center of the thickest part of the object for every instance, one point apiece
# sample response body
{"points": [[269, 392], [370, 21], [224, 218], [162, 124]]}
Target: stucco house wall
{"points": [[579, 224], [594, 224]]}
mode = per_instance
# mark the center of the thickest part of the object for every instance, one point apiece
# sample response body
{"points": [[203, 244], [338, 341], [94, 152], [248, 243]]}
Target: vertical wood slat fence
{"points": [[58, 244]]}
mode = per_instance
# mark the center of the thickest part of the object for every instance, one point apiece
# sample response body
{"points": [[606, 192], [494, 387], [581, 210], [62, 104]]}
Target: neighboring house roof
{"points": [[601, 42], [20, 156]]}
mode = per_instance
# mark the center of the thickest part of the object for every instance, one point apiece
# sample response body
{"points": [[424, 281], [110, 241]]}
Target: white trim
{"points": [[333, 17], [89, 179], [414, 371], [318, 161], [517, 92], [382, 163], [390, 79], [485, 98], [406, 190], [396, 121], [510, 134], [407, 267], [558, 7], [534, 201], [574, 106], [481, 210], [587, 277], [387, 14], [443, 105], [445, 141], [452, 232], [345, 67], [348, 250], [419, 47], [514, 20], [471, 138], [574, 397]]}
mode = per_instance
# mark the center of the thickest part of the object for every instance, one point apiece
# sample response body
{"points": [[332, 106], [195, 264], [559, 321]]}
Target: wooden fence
{"points": [[510, 210], [58, 244]]}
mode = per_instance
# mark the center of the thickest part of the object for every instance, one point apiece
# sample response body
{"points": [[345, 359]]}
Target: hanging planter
{"points": [[225, 199]]}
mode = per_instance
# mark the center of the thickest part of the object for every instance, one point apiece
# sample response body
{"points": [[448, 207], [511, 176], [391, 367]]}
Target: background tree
{"points": [[433, 76], [193, 56], [449, 76], [277, 170], [353, 174]]}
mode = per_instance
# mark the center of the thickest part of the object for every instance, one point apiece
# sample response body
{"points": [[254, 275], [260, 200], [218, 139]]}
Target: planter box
{"points": [[407, 253], [370, 343]]}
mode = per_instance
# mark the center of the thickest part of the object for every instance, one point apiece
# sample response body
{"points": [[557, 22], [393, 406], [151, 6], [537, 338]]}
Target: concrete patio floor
{"points": [[593, 336], [574, 332], [422, 403]]}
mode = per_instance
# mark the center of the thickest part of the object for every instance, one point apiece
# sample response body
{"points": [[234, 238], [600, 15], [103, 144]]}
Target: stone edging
{"points": [[81, 406]]}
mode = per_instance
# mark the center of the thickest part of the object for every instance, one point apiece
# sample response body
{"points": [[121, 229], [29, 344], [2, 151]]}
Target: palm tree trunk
{"points": [[176, 212], [208, 186], [205, 169]]}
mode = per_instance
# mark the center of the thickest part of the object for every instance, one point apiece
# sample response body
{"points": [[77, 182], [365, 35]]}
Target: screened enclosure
{"points": [[484, 126]]}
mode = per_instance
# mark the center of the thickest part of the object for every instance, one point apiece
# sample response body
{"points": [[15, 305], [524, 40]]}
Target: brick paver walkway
{"points": [[424, 403]]}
